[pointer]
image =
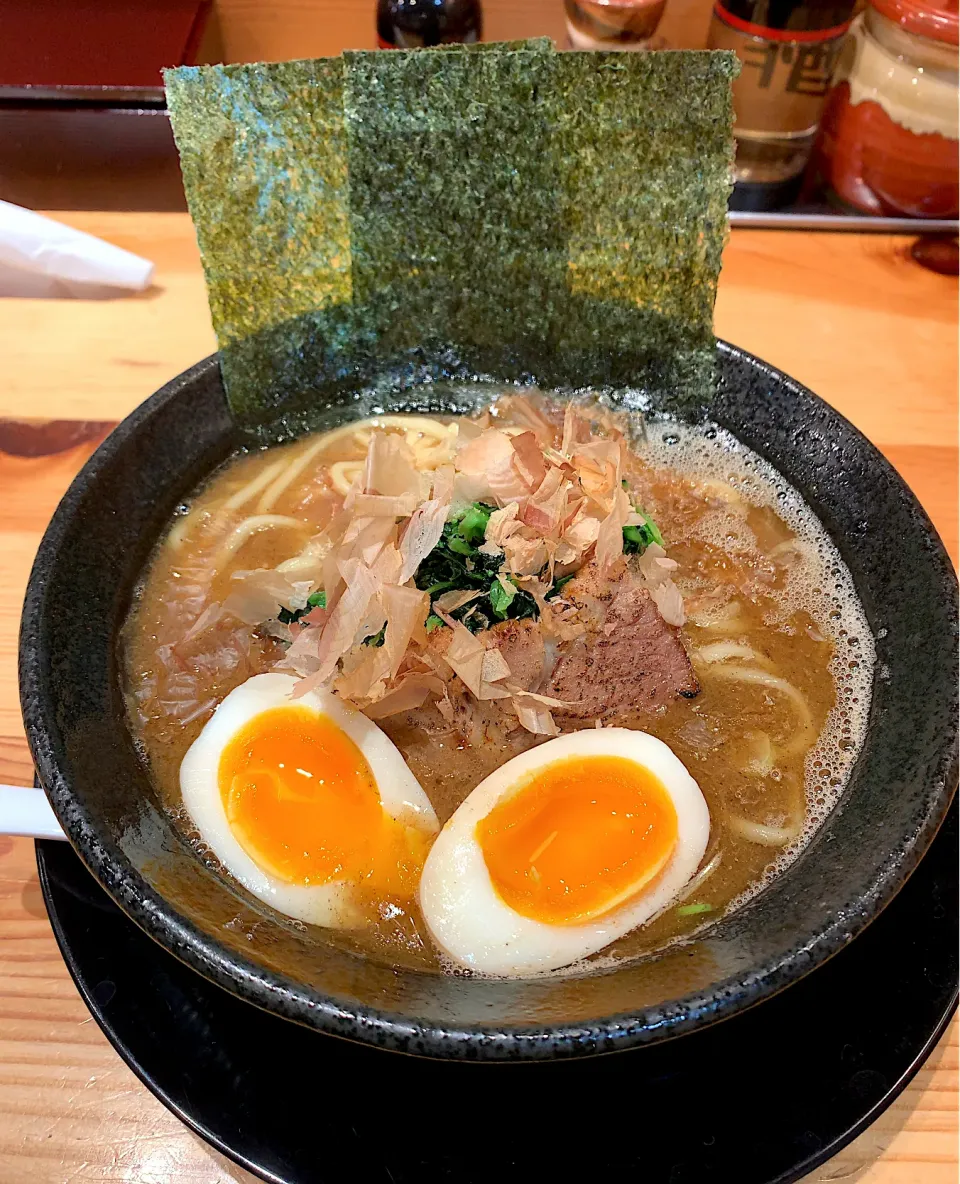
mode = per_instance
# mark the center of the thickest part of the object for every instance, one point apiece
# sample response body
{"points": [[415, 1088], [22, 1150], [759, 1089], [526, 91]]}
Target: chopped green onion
{"points": [[457, 562], [432, 622], [443, 586], [560, 585], [473, 525], [501, 598], [652, 527], [460, 546], [376, 639], [287, 616], [690, 910], [636, 539]]}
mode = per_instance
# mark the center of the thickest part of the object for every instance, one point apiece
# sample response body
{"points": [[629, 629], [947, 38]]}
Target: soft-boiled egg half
{"points": [[307, 803], [563, 850]]}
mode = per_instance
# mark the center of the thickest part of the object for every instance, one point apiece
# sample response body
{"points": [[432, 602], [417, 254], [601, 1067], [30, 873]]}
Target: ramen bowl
{"points": [[81, 589]]}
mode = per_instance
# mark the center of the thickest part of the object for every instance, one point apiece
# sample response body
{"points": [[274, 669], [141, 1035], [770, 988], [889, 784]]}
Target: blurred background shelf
{"points": [[79, 136]]}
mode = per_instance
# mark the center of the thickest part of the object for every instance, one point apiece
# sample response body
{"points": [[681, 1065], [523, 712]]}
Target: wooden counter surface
{"points": [[853, 317]]}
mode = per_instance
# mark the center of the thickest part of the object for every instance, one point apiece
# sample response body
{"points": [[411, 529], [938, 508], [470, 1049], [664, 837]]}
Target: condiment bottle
{"points": [[788, 50], [612, 24], [412, 24], [889, 139]]}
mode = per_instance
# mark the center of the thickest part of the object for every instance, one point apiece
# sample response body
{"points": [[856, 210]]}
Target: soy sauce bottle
{"points": [[412, 24]]}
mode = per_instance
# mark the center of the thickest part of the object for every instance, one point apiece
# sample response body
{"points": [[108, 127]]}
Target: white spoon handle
{"points": [[26, 811]]}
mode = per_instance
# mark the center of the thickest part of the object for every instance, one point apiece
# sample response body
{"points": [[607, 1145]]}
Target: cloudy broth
{"points": [[774, 631]]}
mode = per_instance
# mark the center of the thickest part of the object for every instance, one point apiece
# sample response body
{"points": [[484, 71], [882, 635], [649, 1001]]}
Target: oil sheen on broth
{"points": [[774, 632]]}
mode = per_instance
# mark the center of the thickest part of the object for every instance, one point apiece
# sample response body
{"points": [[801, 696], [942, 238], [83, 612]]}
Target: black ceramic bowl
{"points": [[80, 590]]}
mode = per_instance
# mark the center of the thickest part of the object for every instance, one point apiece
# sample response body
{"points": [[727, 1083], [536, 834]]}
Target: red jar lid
{"points": [[936, 19]]}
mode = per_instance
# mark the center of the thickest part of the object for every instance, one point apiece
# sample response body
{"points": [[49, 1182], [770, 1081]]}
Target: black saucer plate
{"points": [[764, 1097]]}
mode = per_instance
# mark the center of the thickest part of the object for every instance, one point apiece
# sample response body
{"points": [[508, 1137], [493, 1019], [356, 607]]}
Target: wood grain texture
{"points": [[70, 1110], [853, 317], [128, 347]]}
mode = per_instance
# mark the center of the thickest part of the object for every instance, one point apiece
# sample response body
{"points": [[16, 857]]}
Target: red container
{"points": [[889, 138], [51, 44]]}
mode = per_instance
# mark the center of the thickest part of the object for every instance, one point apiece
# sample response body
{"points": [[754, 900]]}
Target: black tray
{"points": [[762, 1098]]}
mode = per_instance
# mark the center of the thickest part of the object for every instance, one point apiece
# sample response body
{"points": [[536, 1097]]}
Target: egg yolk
{"points": [[303, 803], [580, 837]]}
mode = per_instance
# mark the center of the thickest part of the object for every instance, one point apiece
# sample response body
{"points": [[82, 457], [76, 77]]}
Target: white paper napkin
{"points": [[41, 257]]}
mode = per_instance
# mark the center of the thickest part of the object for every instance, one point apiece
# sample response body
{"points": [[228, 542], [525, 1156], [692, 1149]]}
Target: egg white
{"points": [[476, 928], [401, 795]]}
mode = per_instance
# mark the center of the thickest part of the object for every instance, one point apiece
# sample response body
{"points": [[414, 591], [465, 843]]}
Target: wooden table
{"points": [[854, 317]]}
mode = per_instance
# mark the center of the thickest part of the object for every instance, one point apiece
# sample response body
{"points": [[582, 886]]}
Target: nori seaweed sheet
{"points": [[513, 213], [456, 233], [647, 152], [264, 161]]}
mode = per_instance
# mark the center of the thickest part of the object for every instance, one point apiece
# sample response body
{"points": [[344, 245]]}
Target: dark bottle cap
{"points": [[413, 24], [796, 16], [762, 196]]}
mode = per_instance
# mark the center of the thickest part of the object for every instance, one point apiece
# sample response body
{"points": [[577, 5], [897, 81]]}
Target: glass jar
{"points": [[613, 24], [889, 137], [788, 50]]}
